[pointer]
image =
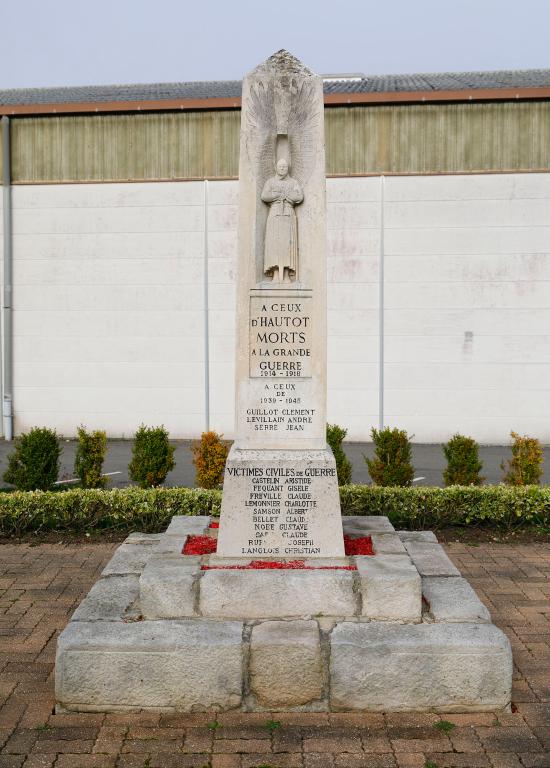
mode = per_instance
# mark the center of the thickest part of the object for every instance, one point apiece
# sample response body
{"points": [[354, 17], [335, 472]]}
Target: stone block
{"points": [[171, 545], [453, 599], [128, 559], [185, 525], [108, 599], [285, 664], [142, 538], [367, 524], [266, 594], [301, 520], [168, 587], [430, 559], [390, 588], [426, 536], [387, 544], [174, 665], [443, 667]]}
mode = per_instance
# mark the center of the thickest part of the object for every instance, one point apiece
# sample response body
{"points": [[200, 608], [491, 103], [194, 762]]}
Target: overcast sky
{"points": [[83, 42]]}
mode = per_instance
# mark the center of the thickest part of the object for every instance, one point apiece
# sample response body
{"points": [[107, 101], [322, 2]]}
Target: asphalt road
{"points": [[428, 461]]}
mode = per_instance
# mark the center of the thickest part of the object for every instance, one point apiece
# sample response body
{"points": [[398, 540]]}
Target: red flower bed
{"points": [[362, 545], [200, 545], [278, 565]]}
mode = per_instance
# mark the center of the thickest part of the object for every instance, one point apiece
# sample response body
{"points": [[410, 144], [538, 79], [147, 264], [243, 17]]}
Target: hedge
{"points": [[124, 509], [457, 505], [150, 510]]}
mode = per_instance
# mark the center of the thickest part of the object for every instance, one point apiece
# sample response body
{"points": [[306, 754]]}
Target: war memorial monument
{"points": [[277, 616]]}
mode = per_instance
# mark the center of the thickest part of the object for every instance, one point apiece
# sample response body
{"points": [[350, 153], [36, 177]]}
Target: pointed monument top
{"points": [[282, 63]]}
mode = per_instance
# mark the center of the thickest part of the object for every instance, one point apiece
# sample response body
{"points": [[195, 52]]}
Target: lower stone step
{"points": [[201, 665]]}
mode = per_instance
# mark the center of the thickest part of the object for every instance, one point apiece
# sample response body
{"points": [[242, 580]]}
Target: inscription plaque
{"points": [[280, 336]]}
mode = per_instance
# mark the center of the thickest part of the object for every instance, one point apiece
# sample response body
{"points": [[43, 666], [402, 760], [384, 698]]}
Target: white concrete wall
{"points": [[109, 313]]}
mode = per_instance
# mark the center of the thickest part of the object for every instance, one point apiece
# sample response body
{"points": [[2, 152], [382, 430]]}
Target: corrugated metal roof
{"points": [[444, 81]]}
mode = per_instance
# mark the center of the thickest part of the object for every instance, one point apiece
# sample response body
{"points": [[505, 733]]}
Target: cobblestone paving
{"points": [[40, 586]]}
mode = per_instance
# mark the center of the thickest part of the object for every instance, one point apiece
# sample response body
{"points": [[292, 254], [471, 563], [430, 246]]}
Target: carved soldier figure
{"points": [[281, 193]]}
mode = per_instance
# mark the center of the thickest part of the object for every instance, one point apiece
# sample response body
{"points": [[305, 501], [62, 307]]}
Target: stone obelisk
{"points": [[280, 494]]}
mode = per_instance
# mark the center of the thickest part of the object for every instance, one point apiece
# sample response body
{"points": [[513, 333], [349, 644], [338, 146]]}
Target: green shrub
{"points": [[152, 456], [34, 464], [392, 458], [120, 509], [421, 508], [525, 466], [150, 510], [463, 462], [209, 457], [89, 458], [335, 437]]}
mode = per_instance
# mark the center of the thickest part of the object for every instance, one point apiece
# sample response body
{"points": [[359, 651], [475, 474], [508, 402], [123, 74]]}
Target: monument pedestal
{"points": [[281, 504], [163, 631]]}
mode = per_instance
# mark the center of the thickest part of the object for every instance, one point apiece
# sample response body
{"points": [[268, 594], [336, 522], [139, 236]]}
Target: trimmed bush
{"points": [[463, 462], [525, 466], [335, 437], [89, 458], [152, 457], [392, 458], [209, 457], [422, 508], [34, 464], [121, 509], [150, 510]]}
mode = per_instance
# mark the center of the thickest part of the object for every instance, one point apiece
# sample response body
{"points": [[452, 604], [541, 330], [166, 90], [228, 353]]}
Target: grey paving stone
{"points": [[168, 587], [388, 544], [430, 559], [448, 667], [367, 523], [128, 559], [390, 588], [277, 594], [453, 599], [108, 599], [426, 536], [184, 665], [285, 663]]}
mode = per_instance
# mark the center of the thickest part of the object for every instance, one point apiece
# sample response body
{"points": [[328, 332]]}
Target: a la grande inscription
{"points": [[282, 503], [280, 337]]}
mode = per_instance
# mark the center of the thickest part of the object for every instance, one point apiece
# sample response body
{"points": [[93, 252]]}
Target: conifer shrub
{"points": [[335, 437], [152, 456], [391, 465], [525, 466], [89, 458], [34, 464], [463, 462], [209, 457]]}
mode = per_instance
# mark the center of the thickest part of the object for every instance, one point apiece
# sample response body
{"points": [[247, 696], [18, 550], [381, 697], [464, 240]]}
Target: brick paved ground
{"points": [[40, 587]]}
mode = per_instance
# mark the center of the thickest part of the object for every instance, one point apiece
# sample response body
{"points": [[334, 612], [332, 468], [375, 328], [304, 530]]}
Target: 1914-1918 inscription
{"points": [[280, 337]]}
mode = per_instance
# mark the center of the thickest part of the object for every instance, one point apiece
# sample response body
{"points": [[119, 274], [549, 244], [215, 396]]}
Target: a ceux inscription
{"points": [[282, 503], [280, 337], [281, 409]]}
